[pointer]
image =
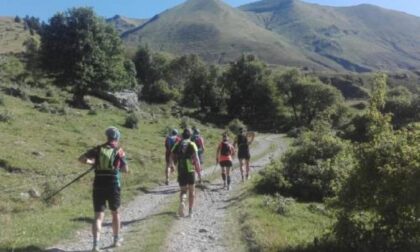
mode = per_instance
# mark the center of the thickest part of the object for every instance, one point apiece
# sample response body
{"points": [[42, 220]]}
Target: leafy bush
{"points": [[92, 112], [159, 92], [317, 167], [186, 122], [132, 121], [6, 116], [235, 125], [379, 207], [277, 203]]}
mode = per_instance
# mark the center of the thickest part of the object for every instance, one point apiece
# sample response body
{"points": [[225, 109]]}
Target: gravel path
{"points": [[197, 234], [204, 232]]}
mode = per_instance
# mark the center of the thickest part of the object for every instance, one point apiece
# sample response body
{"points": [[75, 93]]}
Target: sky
{"points": [[45, 9]]}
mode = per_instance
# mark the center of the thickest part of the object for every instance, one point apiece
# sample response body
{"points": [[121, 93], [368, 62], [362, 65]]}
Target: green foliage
{"points": [[307, 97], [132, 121], [401, 103], [203, 90], [251, 92], [150, 68], [85, 53], [379, 203], [159, 92], [318, 166], [6, 116], [235, 125]]}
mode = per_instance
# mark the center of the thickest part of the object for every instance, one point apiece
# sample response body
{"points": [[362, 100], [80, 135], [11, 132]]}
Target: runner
{"points": [[170, 141], [224, 155], [199, 141], [108, 160], [186, 153], [242, 141]]}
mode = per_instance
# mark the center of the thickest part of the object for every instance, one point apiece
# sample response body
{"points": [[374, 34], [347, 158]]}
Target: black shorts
{"points": [[244, 154], [226, 163], [186, 179], [110, 195]]}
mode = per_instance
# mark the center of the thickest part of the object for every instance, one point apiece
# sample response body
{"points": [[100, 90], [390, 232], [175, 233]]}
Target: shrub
{"points": [[6, 116], [318, 166], [132, 121], [235, 125], [186, 122], [92, 112], [277, 203], [379, 207], [159, 92]]}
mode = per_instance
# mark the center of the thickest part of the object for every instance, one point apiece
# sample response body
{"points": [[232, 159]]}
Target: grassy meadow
{"points": [[272, 223]]}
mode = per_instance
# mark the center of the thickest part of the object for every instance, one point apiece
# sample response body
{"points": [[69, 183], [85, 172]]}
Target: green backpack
{"points": [[106, 158]]}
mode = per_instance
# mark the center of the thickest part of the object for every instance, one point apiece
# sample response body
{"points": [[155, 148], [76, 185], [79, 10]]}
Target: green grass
{"points": [[12, 36], [59, 140], [262, 229]]}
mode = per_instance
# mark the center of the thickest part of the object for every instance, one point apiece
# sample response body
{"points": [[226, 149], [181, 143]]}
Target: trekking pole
{"points": [[74, 180]]}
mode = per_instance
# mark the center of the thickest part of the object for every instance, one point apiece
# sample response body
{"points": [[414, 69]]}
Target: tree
{"points": [[251, 92], [400, 102], [18, 19], [379, 207], [85, 53], [151, 72], [202, 89], [307, 97]]}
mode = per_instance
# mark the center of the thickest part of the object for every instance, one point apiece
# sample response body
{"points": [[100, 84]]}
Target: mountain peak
{"points": [[205, 4], [268, 5]]}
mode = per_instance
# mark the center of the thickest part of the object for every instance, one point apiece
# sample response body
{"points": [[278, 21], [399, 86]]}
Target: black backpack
{"points": [[225, 150]]}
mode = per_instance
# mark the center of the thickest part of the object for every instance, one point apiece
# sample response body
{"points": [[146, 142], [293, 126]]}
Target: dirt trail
{"points": [[204, 232], [198, 234]]}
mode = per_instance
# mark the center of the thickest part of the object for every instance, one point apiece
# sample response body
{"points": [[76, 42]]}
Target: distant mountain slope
{"points": [[215, 31], [358, 38], [123, 24], [12, 35]]}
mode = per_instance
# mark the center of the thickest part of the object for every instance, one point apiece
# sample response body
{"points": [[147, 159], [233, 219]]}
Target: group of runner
{"points": [[184, 151]]}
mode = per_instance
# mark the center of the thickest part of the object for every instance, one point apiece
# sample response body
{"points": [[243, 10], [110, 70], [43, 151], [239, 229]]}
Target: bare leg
{"points": [[247, 168], [228, 177], [241, 168], [182, 196], [97, 226], [116, 222], [191, 197], [224, 176]]}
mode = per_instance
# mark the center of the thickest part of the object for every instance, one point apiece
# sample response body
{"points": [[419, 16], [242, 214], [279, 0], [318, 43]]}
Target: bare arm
{"points": [[84, 160], [218, 154], [252, 136], [196, 161]]}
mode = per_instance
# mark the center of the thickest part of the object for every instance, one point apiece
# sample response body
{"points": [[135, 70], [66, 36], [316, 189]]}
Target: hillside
{"points": [[215, 31], [358, 38], [123, 24], [12, 35]]}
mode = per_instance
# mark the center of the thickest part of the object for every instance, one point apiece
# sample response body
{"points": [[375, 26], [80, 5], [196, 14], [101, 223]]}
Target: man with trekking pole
{"points": [[108, 161]]}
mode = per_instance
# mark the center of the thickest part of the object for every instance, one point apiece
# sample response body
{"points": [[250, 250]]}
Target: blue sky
{"points": [[147, 8]]}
